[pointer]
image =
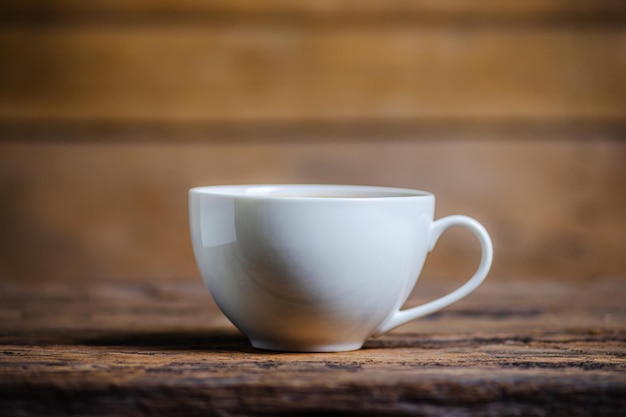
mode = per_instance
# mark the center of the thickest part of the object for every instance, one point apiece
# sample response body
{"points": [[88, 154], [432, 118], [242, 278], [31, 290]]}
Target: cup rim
{"points": [[309, 192]]}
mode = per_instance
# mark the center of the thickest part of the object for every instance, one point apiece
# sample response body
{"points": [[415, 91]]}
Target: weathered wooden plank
{"points": [[251, 73], [114, 348], [117, 209]]}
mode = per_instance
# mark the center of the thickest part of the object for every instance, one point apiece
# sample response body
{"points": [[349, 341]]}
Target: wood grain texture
{"points": [[512, 112], [553, 207], [152, 347], [249, 73], [277, 70]]}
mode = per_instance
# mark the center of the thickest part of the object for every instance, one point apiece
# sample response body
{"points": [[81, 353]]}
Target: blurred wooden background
{"points": [[511, 112]]}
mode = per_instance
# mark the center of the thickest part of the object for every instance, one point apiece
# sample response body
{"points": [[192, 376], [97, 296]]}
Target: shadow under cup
{"points": [[310, 267]]}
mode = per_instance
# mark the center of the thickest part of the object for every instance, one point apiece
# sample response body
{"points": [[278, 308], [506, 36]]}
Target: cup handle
{"points": [[438, 227]]}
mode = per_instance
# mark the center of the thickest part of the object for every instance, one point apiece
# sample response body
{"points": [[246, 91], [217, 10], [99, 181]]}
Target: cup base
{"points": [[280, 347]]}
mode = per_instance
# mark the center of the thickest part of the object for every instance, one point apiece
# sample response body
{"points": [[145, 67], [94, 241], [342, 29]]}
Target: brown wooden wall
{"points": [[511, 112]]}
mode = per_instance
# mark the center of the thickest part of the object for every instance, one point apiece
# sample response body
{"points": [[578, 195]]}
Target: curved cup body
{"points": [[309, 268]]}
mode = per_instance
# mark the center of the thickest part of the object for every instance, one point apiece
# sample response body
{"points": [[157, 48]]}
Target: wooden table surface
{"points": [[537, 348]]}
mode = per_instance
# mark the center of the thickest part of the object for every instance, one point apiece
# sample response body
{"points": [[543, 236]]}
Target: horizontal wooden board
{"points": [[277, 73], [149, 347], [338, 11], [117, 209]]}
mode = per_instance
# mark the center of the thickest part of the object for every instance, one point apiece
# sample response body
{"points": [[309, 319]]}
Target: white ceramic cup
{"points": [[319, 268]]}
